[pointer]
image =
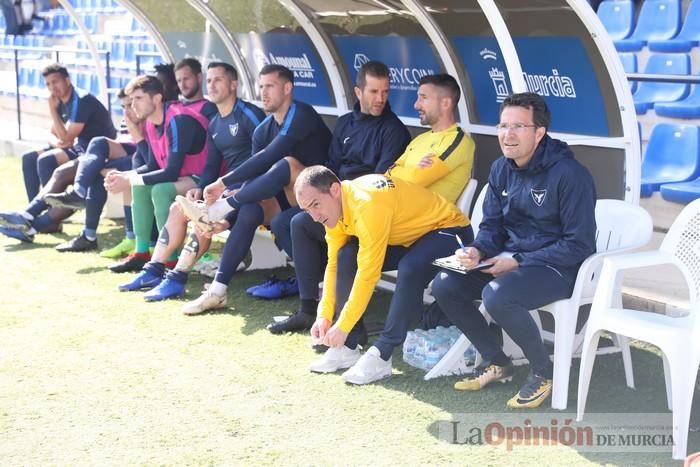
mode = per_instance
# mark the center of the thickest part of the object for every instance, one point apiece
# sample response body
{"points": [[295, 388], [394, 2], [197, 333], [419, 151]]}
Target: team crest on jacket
{"points": [[538, 196], [233, 129], [382, 183]]}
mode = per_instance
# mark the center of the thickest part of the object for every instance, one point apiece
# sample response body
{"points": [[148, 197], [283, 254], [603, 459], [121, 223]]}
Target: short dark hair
{"points": [[55, 68], [317, 176], [146, 83], [193, 63], [165, 69], [122, 93], [282, 71], [530, 100], [230, 70], [446, 83], [373, 68]]}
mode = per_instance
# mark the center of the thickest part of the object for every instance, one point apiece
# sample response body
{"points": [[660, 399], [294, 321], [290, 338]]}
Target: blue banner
{"points": [[294, 51], [557, 68], [408, 59]]}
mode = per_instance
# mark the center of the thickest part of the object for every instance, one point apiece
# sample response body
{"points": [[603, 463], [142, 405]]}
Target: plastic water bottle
{"points": [[420, 349], [409, 348], [470, 355], [432, 354], [453, 334], [444, 346]]}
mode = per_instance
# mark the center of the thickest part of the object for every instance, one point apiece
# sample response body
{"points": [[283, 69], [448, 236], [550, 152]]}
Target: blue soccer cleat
{"points": [[143, 281], [270, 280], [17, 234], [14, 220], [169, 288], [277, 289]]}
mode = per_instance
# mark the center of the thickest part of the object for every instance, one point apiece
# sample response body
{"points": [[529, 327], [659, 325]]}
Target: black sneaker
{"points": [[132, 263], [67, 200], [299, 321], [79, 243]]}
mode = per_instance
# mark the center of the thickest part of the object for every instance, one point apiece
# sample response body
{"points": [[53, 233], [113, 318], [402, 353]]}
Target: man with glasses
{"points": [[540, 208]]}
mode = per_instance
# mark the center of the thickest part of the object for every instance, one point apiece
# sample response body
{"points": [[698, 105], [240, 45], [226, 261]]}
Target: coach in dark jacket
{"points": [[540, 207], [369, 144]]}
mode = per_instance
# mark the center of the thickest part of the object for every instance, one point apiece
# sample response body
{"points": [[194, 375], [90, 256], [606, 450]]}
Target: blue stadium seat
{"points": [[689, 36], [629, 63], [82, 82], [618, 18], [65, 27], [94, 85], [683, 192], [685, 108], [117, 53], [658, 20], [649, 93], [90, 21], [130, 54], [24, 79], [672, 155], [37, 80]]}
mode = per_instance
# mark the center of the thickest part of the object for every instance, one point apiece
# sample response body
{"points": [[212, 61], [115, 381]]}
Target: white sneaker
{"points": [[336, 359], [207, 301], [194, 211], [369, 368]]}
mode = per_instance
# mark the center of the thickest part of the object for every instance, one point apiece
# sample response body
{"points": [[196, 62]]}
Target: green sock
{"points": [[162, 196], [142, 213]]}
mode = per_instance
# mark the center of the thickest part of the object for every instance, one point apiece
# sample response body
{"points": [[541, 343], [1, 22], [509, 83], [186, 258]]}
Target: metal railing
{"points": [[690, 79]]}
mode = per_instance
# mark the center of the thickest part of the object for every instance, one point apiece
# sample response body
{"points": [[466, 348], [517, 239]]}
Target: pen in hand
{"points": [[458, 238], [461, 244]]}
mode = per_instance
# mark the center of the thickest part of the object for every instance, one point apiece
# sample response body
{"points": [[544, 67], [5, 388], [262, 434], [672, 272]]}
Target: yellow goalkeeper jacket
{"points": [[452, 157], [379, 211]]}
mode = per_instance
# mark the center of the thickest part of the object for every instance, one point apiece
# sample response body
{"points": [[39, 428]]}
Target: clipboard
{"points": [[451, 263]]}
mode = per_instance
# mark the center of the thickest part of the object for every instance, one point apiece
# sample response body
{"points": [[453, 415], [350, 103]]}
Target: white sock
{"points": [[217, 288], [218, 210]]}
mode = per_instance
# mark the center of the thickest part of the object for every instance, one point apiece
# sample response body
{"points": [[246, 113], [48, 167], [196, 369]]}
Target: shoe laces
{"points": [[272, 280], [478, 371], [533, 384], [289, 283]]}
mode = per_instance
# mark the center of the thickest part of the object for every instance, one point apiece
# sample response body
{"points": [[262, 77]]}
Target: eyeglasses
{"points": [[503, 127]]}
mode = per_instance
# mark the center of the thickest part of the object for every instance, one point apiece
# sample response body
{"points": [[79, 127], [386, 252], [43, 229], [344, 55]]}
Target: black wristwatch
{"points": [[518, 257]]}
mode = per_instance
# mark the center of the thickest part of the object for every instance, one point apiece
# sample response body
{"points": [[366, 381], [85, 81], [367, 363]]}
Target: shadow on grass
{"points": [[27, 246], [90, 270], [257, 313]]}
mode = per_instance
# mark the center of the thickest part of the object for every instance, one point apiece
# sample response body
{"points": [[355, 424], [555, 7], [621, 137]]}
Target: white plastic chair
{"points": [[678, 338], [620, 227], [465, 199]]}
